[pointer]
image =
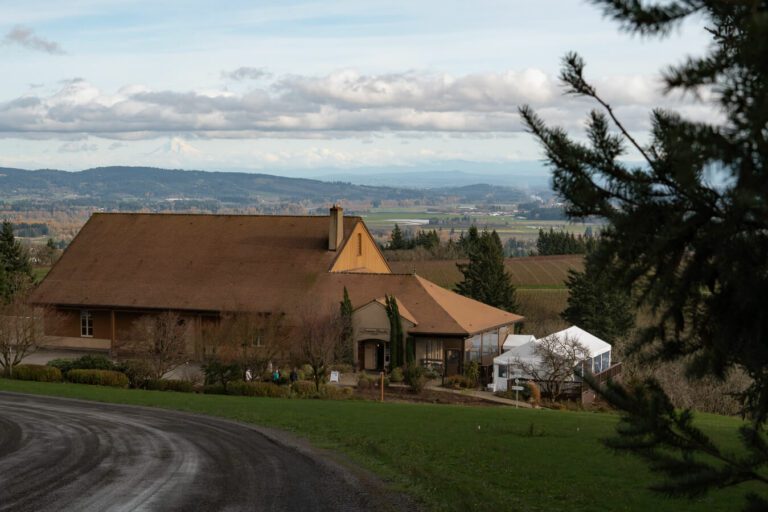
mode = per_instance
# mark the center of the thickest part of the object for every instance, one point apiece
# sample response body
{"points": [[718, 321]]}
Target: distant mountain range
{"points": [[145, 186]]}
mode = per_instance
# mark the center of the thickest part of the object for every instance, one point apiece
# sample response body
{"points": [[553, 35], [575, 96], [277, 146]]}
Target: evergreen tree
{"points": [[17, 270], [396, 355], [5, 286], [695, 248], [468, 242], [344, 351], [396, 239], [485, 277], [597, 305]]}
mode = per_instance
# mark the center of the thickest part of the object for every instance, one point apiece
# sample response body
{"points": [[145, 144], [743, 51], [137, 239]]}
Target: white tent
{"points": [[515, 340], [505, 367]]}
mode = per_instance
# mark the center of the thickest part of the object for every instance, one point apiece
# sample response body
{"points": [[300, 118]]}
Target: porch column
{"points": [[113, 334]]}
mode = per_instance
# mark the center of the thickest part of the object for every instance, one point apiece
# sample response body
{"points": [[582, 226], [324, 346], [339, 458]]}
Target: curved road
{"points": [[59, 454]]}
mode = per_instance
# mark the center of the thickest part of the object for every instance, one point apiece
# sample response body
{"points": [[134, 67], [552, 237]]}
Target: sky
{"points": [[295, 86]]}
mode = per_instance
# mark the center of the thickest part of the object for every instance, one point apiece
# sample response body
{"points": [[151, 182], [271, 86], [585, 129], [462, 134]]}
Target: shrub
{"points": [[182, 386], [414, 377], [137, 371], [86, 362], [396, 375], [535, 392], [99, 377], [263, 389], [304, 388], [37, 372], [472, 373], [214, 389], [307, 371], [217, 372], [364, 381], [456, 382], [335, 392]]}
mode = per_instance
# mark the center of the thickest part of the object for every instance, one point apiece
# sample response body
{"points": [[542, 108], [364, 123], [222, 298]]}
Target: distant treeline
{"points": [[560, 242], [30, 230]]}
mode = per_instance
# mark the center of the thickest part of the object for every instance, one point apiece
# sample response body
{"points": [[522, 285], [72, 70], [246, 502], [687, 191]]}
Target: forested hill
{"points": [[137, 186]]}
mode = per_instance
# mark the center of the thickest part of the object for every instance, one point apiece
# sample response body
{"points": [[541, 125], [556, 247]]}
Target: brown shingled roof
{"points": [[191, 262], [238, 263], [436, 310]]}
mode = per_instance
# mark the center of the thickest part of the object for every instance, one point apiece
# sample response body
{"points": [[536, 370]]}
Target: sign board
{"points": [[516, 388], [334, 376]]}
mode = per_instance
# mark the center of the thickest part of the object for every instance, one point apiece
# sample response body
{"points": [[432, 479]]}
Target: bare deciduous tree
{"points": [[159, 340], [248, 339], [317, 335], [21, 330], [558, 359]]}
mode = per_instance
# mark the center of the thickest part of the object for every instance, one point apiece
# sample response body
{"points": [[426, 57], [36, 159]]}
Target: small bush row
{"points": [[36, 372], [98, 377], [181, 386], [300, 389]]}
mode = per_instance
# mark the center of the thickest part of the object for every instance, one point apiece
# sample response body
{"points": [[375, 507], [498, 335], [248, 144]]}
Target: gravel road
{"points": [[60, 454]]}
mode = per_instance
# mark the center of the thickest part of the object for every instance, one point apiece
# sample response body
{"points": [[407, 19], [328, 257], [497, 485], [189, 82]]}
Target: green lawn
{"points": [[452, 457]]}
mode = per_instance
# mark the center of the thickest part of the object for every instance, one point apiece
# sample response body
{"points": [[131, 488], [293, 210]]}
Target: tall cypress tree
{"points": [[688, 229], [485, 277], [396, 355], [345, 352]]}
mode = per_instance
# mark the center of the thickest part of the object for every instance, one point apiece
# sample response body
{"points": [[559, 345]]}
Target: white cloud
{"points": [[341, 104]]}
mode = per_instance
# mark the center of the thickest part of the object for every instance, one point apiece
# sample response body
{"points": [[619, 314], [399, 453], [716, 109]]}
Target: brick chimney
{"points": [[336, 228]]}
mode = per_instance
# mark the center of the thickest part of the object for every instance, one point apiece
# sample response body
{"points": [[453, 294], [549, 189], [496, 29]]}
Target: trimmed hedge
{"points": [[267, 389], [304, 388], [37, 372], [87, 362], [98, 377], [182, 386]]}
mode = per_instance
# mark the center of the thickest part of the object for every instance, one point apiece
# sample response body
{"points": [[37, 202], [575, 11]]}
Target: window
{"points": [[607, 360], [359, 244], [503, 371], [86, 324]]}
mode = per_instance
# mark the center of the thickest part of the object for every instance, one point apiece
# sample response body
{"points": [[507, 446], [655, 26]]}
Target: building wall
{"points": [[65, 323], [371, 322], [360, 254]]}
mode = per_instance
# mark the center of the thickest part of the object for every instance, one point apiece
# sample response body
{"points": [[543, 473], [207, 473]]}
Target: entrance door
{"points": [[452, 361], [380, 356]]}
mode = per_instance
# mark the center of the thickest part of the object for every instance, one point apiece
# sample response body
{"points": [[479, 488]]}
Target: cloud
{"points": [[245, 73], [341, 104], [26, 38], [74, 147]]}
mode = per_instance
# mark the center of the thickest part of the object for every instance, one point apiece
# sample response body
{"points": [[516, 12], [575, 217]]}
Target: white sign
{"points": [[516, 388], [335, 377]]}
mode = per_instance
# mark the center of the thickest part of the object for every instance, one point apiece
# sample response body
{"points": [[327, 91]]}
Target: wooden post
{"points": [[381, 385], [112, 352]]}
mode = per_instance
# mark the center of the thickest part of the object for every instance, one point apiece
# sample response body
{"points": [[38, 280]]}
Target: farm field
{"points": [[381, 221], [527, 272], [453, 458]]}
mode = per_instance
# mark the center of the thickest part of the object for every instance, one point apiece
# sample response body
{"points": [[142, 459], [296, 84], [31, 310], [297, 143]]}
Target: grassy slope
{"points": [[452, 457]]}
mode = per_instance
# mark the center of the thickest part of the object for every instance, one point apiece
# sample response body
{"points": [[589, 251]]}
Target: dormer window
{"points": [[86, 324]]}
